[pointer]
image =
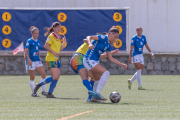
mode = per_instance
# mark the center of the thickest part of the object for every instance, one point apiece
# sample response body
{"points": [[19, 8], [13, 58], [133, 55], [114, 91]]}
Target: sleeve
{"points": [[27, 44], [49, 39], [102, 37], [109, 48], [145, 42], [132, 41], [39, 46]]}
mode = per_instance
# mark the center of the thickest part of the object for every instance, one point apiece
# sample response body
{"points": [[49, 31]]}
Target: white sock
{"points": [[95, 85], [32, 86], [139, 77], [134, 77], [44, 86], [102, 81]]}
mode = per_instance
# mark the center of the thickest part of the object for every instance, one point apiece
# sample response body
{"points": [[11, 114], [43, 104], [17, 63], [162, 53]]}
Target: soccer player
{"points": [[76, 64], [136, 56], [33, 61], [102, 43], [54, 46]]}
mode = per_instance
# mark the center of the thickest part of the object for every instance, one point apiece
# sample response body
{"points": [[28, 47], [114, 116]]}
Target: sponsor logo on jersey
{"points": [[27, 44], [102, 36], [35, 54], [141, 43], [140, 49]]}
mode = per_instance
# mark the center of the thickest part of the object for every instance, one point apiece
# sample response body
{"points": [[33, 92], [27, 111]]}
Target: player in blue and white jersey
{"points": [[102, 43], [136, 56], [33, 61]]}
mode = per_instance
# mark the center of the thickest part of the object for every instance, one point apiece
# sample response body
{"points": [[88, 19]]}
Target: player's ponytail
{"points": [[32, 28], [50, 30]]}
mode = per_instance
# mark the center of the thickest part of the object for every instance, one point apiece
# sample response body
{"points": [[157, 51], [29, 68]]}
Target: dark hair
{"points": [[104, 33], [114, 29], [32, 28], [50, 30]]}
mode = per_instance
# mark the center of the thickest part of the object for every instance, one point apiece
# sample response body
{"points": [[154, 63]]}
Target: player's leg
{"points": [[98, 69], [55, 72], [41, 71], [31, 81], [134, 59]]}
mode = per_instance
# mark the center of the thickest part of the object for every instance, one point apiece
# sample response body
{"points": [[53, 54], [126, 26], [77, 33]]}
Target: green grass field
{"points": [[161, 100]]}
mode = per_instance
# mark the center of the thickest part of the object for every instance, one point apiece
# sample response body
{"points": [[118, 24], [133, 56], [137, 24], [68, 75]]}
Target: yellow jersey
{"points": [[83, 49], [55, 45]]}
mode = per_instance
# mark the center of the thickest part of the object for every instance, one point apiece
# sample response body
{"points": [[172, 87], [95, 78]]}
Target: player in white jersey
{"points": [[102, 43], [136, 56], [33, 61]]}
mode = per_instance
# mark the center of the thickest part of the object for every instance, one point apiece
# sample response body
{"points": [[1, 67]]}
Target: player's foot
{"points": [[129, 84], [94, 94], [34, 95], [44, 93], [102, 98], [88, 100], [141, 88], [36, 88], [50, 95], [93, 99]]}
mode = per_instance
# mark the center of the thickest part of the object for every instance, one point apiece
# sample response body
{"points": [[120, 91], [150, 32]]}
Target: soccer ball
{"points": [[115, 97]]}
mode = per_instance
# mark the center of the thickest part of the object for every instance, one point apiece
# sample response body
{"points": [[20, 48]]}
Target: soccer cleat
{"points": [[102, 98], [36, 88], [141, 88], [93, 99], [50, 95], [94, 94], [129, 84], [34, 95], [88, 100], [44, 93]]}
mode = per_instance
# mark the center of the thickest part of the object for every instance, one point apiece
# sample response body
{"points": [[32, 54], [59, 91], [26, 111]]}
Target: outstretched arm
{"points": [[115, 61], [105, 54]]}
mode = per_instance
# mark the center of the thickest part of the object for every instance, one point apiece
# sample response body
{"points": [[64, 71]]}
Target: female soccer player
{"points": [[102, 43], [136, 56], [33, 61], [76, 64], [54, 46]]}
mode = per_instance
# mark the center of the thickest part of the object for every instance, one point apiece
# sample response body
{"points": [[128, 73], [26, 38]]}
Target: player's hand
{"points": [[152, 55], [115, 51], [130, 61], [124, 66], [29, 62], [91, 46], [56, 54], [64, 37]]}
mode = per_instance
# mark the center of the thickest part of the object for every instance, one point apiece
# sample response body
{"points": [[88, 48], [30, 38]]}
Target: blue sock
{"points": [[87, 85], [92, 83], [52, 86], [47, 80]]}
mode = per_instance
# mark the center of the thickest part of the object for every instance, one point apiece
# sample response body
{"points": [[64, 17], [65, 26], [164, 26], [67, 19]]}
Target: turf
{"points": [[159, 101]]}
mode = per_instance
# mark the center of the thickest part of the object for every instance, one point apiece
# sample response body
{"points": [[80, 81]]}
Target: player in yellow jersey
{"points": [[54, 46], [76, 64]]}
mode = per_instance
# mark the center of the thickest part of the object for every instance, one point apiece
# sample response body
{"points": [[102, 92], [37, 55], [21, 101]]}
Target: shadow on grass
{"points": [[110, 103]]}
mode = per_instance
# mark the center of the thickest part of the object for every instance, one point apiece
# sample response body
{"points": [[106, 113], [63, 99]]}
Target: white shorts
{"points": [[34, 65], [138, 58], [88, 64]]}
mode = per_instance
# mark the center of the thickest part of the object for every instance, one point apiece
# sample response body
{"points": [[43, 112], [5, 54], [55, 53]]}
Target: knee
{"points": [[55, 77], [107, 73]]}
